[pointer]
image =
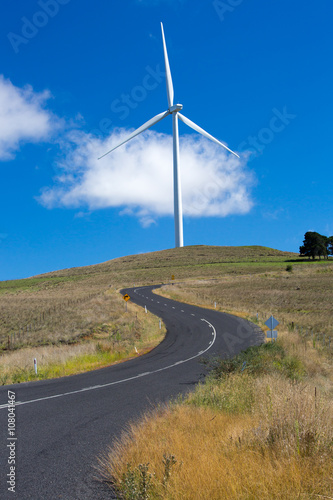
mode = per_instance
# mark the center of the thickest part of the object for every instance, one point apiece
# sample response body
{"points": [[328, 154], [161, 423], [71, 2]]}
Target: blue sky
{"points": [[76, 76]]}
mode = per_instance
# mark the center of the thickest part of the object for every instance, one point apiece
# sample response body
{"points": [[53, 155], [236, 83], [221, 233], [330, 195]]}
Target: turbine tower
{"points": [[174, 110]]}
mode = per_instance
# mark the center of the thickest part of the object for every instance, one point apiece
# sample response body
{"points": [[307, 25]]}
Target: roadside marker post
{"points": [[35, 365]]}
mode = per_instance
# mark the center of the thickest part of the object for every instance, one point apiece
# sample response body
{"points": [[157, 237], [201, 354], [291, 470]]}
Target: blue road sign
{"points": [[272, 323]]}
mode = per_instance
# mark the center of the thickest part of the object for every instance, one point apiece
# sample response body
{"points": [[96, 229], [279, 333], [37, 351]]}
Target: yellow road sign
{"points": [[172, 277], [126, 297]]}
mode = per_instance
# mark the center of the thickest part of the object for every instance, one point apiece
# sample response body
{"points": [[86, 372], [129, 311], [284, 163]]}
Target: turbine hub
{"points": [[175, 108]]}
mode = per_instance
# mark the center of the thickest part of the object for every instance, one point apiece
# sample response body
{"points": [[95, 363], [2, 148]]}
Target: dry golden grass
{"points": [[63, 305], [58, 313], [295, 419], [318, 363], [254, 456], [244, 436], [128, 334], [303, 296]]}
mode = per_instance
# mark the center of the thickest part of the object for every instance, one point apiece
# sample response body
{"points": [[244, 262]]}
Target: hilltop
{"points": [[191, 261]]}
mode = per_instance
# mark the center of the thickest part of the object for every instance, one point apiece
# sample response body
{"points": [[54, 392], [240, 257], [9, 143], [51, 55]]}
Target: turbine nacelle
{"points": [[175, 108]]}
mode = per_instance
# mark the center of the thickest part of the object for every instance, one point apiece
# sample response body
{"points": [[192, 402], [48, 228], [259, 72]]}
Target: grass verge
{"points": [[258, 428], [127, 335]]}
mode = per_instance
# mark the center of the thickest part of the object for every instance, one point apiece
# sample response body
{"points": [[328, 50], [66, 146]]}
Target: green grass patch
{"points": [[36, 284], [230, 387], [233, 395], [79, 364], [258, 360]]}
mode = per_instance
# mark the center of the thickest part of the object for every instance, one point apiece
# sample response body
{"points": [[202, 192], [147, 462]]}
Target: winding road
{"points": [[62, 425]]}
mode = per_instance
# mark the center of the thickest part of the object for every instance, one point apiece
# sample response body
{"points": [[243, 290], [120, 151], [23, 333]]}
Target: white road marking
{"points": [[92, 388]]}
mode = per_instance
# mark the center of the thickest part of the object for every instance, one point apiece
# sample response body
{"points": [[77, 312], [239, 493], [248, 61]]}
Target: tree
{"points": [[314, 245], [330, 245]]}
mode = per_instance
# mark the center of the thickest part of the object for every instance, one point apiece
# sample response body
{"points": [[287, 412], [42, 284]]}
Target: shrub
{"points": [[258, 360], [136, 483]]}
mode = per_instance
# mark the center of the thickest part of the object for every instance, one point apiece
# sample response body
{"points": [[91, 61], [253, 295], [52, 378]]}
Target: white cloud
{"points": [[23, 117], [138, 178]]}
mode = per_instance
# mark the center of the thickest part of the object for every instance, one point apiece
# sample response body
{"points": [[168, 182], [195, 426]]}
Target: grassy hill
{"points": [[63, 305], [264, 431], [192, 261], [82, 306]]}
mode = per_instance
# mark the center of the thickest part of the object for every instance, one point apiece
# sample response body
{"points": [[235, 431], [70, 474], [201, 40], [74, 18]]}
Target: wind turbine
{"points": [[174, 110]]}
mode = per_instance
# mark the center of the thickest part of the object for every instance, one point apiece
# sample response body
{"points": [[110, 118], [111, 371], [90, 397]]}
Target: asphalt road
{"points": [[62, 425]]}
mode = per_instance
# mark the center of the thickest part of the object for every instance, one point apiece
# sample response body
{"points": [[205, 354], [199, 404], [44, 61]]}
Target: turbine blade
{"points": [[169, 84], [203, 132], [138, 131]]}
